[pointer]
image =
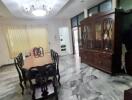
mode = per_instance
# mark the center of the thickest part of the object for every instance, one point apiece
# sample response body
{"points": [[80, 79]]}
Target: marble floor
{"points": [[79, 82]]}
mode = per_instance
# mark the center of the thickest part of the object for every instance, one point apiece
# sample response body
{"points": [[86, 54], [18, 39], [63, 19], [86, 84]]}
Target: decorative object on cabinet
{"points": [[101, 41]]}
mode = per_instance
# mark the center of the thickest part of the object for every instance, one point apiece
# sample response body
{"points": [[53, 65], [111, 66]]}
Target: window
{"points": [[74, 22], [80, 18], [105, 6], [93, 10]]}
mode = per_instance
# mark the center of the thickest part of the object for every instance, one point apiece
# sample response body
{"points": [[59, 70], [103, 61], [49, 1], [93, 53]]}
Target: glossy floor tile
{"points": [[79, 82]]}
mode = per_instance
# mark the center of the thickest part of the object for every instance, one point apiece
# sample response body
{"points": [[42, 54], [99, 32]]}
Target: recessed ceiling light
{"points": [[39, 13]]}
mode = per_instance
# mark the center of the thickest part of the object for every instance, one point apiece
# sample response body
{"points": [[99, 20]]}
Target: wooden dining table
{"points": [[32, 61]]}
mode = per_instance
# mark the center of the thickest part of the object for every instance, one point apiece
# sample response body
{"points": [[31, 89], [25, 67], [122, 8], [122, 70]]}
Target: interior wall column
{"points": [[114, 4], [85, 13]]}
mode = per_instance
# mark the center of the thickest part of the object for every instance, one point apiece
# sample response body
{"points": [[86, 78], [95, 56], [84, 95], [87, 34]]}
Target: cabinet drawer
{"points": [[107, 65], [99, 60], [107, 62]]}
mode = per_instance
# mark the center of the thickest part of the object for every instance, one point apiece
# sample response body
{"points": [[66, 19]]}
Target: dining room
{"points": [[65, 50]]}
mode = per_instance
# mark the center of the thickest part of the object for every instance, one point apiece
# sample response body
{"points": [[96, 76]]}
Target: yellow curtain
{"points": [[23, 38], [17, 38], [38, 37]]}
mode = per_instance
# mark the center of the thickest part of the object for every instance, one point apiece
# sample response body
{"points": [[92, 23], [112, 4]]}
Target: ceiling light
{"points": [[39, 12], [37, 8]]}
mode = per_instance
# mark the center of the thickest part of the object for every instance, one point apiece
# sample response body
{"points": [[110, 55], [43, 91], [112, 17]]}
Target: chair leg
{"points": [[44, 90], [21, 85], [32, 88], [55, 87], [24, 76], [59, 79], [33, 95], [25, 83], [56, 97]]}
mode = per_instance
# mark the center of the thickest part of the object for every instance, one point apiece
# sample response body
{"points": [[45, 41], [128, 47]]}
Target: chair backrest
{"points": [[41, 51], [19, 70], [41, 76], [55, 58], [33, 73], [38, 52], [52, 54], [43, 71], [35, 52], [48, 69], [20, 60]]}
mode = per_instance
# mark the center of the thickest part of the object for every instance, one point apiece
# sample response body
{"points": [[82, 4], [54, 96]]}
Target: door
{"points": [[64, 41]]}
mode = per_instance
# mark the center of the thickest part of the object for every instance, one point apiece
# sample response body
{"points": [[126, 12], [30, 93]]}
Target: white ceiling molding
{"points": [[74, 7], [63, 9], [16, 7]]}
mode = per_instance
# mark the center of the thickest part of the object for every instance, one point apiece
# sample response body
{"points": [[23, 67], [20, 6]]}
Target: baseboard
{"points": [[7, 65]]}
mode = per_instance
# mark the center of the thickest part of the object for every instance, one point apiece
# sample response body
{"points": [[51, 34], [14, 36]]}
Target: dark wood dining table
{"points": [[32, 61]]}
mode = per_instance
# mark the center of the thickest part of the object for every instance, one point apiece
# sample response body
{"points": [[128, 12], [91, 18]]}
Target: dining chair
{"points": [[40, 52], [21, 74], [35, 52], [46, 75], [20, 60], [57, 66], [51, 76], [52, 54], [55, 58]]}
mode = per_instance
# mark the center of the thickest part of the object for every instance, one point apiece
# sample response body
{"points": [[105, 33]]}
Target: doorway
{"points": [[75, 40], [64, 41]]}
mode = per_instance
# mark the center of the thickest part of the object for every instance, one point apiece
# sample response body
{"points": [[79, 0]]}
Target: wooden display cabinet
{"points": [[127, 39], [128, 94], [101, 41]]}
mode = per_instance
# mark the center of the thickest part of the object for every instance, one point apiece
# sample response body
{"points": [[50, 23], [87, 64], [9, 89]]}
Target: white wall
{"points": [[4, 53], [53, 30]]}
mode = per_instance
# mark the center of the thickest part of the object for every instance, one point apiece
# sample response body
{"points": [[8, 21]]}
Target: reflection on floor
{"points": [[79, 82]]}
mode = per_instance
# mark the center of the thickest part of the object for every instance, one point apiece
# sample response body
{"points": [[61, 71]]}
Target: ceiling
{"points": [[75, 7], [62, 8], [16, 8]]}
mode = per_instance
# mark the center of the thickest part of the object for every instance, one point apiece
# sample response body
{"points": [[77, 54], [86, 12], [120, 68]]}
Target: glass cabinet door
{"points": [[90, 36], [84, 36], [87, 38], [98, 33], [107, 33], [79, 37]]}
